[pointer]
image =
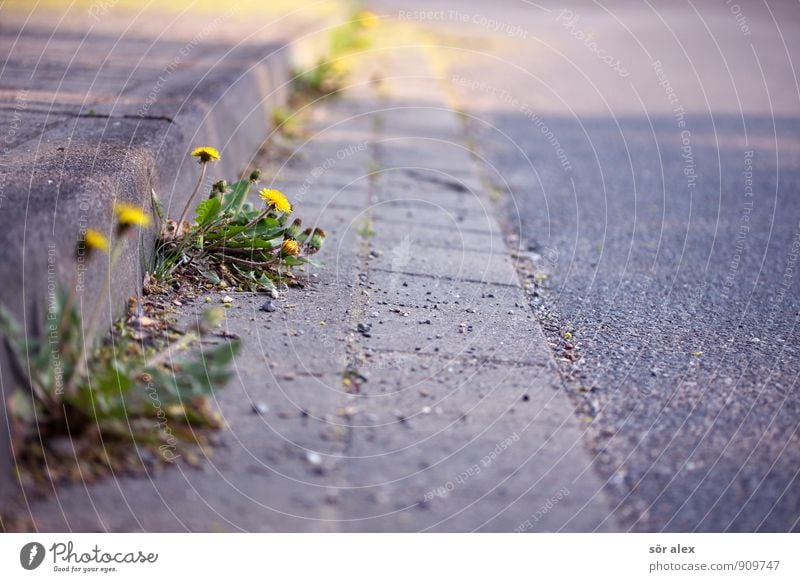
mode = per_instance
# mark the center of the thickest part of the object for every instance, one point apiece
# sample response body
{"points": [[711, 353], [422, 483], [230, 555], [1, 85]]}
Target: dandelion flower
{"points": [[206, 154], [129, 215], [368, 19], [290, 248], [90, 241], [340, 67], [93, 239], [276, 200]]}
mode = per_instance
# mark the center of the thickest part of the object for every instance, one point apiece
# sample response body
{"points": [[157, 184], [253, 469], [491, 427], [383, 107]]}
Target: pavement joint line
{"points": [[462, 358], [448, 278], [395, 202], [468, 249], [355, 353], [437, 226], [74, 114]]}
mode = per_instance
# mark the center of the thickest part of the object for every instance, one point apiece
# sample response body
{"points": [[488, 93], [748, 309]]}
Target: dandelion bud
{"points": [[218, 189], [293, 230], [289, 248], [317, 240], [306, 233]]}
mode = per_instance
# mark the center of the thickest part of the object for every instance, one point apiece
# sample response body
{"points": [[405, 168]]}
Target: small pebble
{"points": [[260, 408], [269, 306]]}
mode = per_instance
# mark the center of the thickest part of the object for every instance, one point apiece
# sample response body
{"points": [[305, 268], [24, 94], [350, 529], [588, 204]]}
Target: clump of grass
{"points": [[366, 230], [232, 242], [120, 387], [286, 122], [324, 78]]}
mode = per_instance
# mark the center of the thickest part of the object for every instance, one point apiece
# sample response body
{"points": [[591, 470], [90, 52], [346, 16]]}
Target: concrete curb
{"points": [[78, 135]]}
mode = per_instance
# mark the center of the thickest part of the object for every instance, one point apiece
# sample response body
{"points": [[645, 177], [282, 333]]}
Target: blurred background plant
{"points": [[116, 389], [328, 72]]}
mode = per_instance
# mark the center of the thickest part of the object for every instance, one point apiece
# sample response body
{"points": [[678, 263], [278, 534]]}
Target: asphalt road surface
{"points": [[649, 155]]}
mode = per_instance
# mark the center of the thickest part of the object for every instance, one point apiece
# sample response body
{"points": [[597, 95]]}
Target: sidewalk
{"points": [[408, 387], [98, 107]]}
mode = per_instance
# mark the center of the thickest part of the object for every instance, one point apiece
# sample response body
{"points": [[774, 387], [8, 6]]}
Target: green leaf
{"points": [[211, 276], [255, 243], [294, 261], [202, 374], [235, 198], [208, 210], [157, 206], [267, 229], [266, 282]]}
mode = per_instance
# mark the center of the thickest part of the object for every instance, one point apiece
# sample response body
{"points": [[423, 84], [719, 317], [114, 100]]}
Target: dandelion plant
{"points": [[231, 241]]}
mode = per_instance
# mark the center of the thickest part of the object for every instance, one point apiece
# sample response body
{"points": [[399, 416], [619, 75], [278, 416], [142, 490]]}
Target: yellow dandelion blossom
{"points": [[276, 200], [290, 247], [129, 215], [206, 154], [368, 19], [340, 67], [94, 239]]}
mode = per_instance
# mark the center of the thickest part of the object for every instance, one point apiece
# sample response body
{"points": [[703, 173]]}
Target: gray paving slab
{"points": [[489, 265], [451, 316], [454, 444], [410, 213], [396, 243]]}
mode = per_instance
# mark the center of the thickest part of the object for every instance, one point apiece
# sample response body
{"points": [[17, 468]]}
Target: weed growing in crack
{"points": [[232, 242]]}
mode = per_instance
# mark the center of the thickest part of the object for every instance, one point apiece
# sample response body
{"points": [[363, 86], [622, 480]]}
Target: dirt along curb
{"points": [[87, 120], [408, 387]]}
